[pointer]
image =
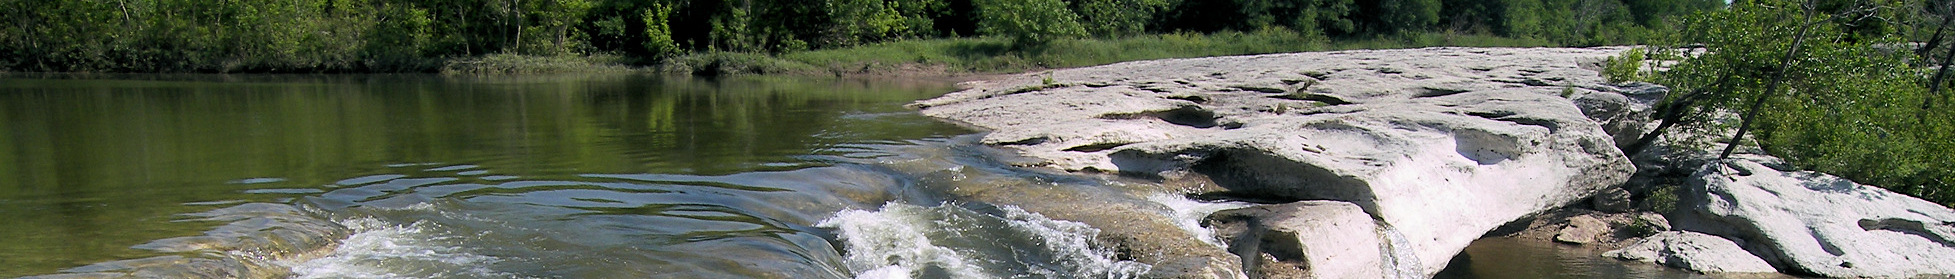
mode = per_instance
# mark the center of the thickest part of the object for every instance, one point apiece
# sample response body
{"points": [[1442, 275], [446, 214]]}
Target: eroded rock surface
{"points": [[1693, 251], [1810, 223], [1306, 239], [1441, 144]]}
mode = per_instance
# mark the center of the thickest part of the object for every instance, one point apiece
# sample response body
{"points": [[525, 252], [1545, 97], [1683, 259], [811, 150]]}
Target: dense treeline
{"points": [[420, 35]]}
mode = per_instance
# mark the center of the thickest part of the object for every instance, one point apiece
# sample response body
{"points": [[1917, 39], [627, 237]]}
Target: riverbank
{"points": [[971, 56]]}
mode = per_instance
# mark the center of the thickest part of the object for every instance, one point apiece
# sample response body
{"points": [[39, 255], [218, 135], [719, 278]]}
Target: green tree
{"points": [[858, 21], [397, 37], [1029, 23], [1819, 92], [1392, 16], [1310, 16], [658, 32], [1118, 18]]}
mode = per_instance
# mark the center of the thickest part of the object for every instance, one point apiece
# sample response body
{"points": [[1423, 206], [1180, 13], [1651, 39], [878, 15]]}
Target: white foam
{"points": [[378, 249], [1188, 214], [901, 240], [1071, 242], [891, 242]]}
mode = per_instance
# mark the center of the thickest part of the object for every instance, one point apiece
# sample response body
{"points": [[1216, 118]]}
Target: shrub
{"points": [[1626, 67], [1029, 23]]}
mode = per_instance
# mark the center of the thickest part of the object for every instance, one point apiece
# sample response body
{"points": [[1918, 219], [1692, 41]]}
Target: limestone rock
{"points": [[1582, 229], [1655, 221], [1625, 112], [1806, 222], [1612, 200], [1692, 251], [1443, 144], [1307, 239]]}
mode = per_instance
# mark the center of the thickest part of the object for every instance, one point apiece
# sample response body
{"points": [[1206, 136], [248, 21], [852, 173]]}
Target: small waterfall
{"points": [[949, 240], [379, 249], [1400, 262], [1188, 214]]}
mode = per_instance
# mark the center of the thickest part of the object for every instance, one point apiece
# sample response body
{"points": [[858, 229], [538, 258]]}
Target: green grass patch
{"points": [[733, 63], [524, 64]]}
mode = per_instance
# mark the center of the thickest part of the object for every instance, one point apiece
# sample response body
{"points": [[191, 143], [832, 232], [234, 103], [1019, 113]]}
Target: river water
{"points": [[611, 176]]}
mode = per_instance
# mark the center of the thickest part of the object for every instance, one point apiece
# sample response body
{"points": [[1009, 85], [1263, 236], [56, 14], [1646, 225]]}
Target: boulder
{"points": [[1612, 200], [1811, 223], [1582, 229], [1655, 222], [1626, 111], [1692, 251], [1442, 144], [1306, 239]]}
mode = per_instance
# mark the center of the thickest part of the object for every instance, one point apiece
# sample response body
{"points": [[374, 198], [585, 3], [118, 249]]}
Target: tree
{"points": [[658, 32], [1117, 18], [1029, 23], [1392, 16], [1816, 92]]}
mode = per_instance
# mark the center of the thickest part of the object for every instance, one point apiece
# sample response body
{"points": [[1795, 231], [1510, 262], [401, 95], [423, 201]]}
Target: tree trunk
{"points": [[1672, 114], [1785, 64], [1934, 86], [1928, 49]]}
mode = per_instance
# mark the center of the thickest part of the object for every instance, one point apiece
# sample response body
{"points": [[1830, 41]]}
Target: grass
{"points": [[524, 64], [982, 54]]}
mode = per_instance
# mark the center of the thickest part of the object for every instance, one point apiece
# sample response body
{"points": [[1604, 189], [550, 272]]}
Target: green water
{"points": [[90, 167]]}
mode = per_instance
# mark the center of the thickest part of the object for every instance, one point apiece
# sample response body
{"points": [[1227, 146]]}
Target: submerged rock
{"points": [[1810, 223], [1443, 144], [258, 237], [1693, 251]]}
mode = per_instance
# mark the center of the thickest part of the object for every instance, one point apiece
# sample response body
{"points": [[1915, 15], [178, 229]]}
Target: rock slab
{"points": [[1441, 144], [1693, 251], [1810, 223], [1307, 239], [1582, 229]]}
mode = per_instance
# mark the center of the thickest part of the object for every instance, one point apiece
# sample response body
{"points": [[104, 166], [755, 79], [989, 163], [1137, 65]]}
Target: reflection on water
{"points": [[530, 173], [1505, 257]]}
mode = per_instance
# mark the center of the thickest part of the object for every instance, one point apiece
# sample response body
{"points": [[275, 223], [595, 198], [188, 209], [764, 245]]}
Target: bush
{"points": [[1626, 67], [1029, 23]]}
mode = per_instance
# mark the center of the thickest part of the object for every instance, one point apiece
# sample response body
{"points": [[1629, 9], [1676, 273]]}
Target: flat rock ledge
{"points": [[1814, 224], [1693, 251], [1438, 145]]}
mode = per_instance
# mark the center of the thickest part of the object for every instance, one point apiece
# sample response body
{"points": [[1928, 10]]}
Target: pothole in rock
{"points": [[1191, 116]]}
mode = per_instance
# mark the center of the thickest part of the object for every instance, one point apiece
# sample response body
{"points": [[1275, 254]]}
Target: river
{"points": [[606, 176]]}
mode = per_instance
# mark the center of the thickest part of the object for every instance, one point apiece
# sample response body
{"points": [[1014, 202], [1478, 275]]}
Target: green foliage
{"points": [[869, 21], [1392, 16], [1626, 67], [1029, 23], [422, 35], [658, 31], [1850, 105], [398, 36], [1118, 18]]}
